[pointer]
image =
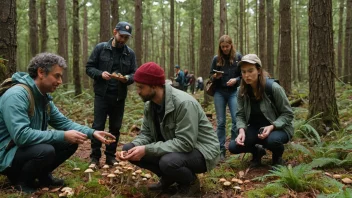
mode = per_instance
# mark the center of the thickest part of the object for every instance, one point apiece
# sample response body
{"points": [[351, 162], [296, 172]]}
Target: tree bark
{"points": [[285, 45], [172, 39], [43, 27], [76, 49], [85, 47], [339, 42], [348, 44], [223, 17], [8, 38], [206, 41], [163, 43], [114, 13], [298, 38], [105, 31], [270, 36], [63, 36], [138, 35], [33, 27], [321, 66], [241, 48], [191, 47], [262, 33]]}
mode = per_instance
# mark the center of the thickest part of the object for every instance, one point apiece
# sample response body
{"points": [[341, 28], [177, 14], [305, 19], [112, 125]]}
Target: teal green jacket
{"points": [[18, 129], [185, 127], [279, 114]]}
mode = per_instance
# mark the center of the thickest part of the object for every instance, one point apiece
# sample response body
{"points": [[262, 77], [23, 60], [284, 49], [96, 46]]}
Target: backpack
{"points": [[8, 83], [269, 88]]}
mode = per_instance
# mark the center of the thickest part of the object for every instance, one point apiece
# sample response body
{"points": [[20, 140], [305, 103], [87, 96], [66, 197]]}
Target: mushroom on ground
{"points": [[237, 189], [129, 172], [111, 176], [89, 171], [76, 169], [222, 180], [138, 173], [227, 184], [92, 166]]}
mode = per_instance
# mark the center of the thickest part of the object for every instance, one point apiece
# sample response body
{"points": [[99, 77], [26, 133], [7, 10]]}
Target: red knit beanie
{"points": [[150, 74]]}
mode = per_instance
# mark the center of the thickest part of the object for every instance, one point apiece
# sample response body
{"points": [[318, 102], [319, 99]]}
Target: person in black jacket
{"points": [[112, 65], [226, 75]]}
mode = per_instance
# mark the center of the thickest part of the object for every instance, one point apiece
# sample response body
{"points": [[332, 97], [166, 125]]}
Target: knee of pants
{"points": [[167, 164], [47, 152], [233, 147], [128, 146]]}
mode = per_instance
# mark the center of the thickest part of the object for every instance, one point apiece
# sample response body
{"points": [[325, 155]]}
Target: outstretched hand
{"points": [[134, 154], [104, 137], [75, 137]]}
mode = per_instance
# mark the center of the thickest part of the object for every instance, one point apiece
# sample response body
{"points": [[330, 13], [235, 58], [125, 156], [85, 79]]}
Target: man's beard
{"points": [[148, 97]]}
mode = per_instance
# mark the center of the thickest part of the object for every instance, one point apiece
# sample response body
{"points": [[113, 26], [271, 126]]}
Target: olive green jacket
{"points": [[185, 127], [279, 114]]}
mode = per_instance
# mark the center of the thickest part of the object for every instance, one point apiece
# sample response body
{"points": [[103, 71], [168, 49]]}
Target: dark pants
{"points": [[37, 161], [274, 142], [103, 107], [178, 167]]}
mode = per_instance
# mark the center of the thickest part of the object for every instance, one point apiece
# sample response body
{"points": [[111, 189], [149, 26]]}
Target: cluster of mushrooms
{"points": [[121, 172], [237, 182]]}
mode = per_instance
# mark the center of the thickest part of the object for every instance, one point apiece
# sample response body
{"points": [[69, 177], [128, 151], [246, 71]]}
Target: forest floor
{"points": [[251, 182]]}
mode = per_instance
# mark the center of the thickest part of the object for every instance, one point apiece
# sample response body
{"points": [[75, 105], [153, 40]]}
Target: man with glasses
{"points": [[112, 65]]}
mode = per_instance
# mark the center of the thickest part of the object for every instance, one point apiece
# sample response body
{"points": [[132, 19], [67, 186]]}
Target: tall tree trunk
{"points": [[241, 39], [76, 45], [178, 22], [321, 66], [85, 46], [43, 26], [270, 36], [293, 41], [191, 43], [247, 49], [8, 38], [285, 45], [105, 31], [206, 41], [223, 17], [256, 29], [114, 13], [146, 47], [262, 31], [163, 43], [33, 27], [348, 44], [138, 41], [299, 70], [172, 38], [339, 43], [63, 36]]}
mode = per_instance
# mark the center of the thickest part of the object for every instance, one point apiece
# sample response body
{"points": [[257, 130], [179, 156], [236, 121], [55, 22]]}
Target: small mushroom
{"points": [[76, 169], [222, 180], [89, 171], [138, 173], [92, 166], [111, 176], [227, 184], [148, 176], [237, 189], [129, 174], [336, 176], [237, 181], [121, 176], [347, 180], [63, 194]]}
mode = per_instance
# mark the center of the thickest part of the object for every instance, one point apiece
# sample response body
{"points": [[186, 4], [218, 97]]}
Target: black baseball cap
{"points": [[124, 28]]}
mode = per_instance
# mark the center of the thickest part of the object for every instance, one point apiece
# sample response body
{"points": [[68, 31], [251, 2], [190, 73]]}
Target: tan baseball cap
{"points": [[251, 58]]}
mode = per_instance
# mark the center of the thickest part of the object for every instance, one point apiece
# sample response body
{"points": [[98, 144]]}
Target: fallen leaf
{"points": [[347, 180], [328, 174], [337, 176], [55, 189]]}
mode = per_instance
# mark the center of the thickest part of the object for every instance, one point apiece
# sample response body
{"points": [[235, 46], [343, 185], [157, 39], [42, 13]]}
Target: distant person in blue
{"points": [[179, 78], [226, 75], [29, 151], [261, 122]]}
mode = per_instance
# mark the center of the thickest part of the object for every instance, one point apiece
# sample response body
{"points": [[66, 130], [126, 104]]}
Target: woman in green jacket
{"points": [[261, 123]]}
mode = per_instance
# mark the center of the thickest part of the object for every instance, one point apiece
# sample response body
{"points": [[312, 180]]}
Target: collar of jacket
{"points": [[108, 46]]}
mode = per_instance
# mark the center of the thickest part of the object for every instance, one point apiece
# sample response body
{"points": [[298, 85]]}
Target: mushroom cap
{"points": [[227, 183], [147, 176], [92, 166], [106, 166], [76, 169], [222, 180], [139, 171], [104, 174], [111, 175], [237, 187], [144, 179], [89, 171], [130, 169], [117, 171]]}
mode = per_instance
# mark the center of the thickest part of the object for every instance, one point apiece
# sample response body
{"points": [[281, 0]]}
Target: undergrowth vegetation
{"points": [[316, 165]]}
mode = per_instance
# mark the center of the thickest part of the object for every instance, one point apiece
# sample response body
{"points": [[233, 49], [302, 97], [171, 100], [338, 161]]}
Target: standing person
{"points": [[177, 141], [187, 78], [261, 120], [180, 77], [225, 73], [112, 65], [192, 81], [28, 150]]}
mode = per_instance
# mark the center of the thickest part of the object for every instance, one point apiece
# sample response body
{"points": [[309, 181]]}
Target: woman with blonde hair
{"points": [[262, 122], [226, 75]]}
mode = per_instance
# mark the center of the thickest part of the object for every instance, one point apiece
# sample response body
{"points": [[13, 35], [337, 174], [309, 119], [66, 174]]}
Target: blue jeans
{"points": [[221, 99], [274, 142]]}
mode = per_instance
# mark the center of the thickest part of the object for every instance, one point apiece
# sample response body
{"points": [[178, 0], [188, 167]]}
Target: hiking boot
{"points": [[25, 188], [278, 161], [257, 158], [163, 184], [111, 162], [50, 181], [222, 156], [94, 160], [191, 190]]}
